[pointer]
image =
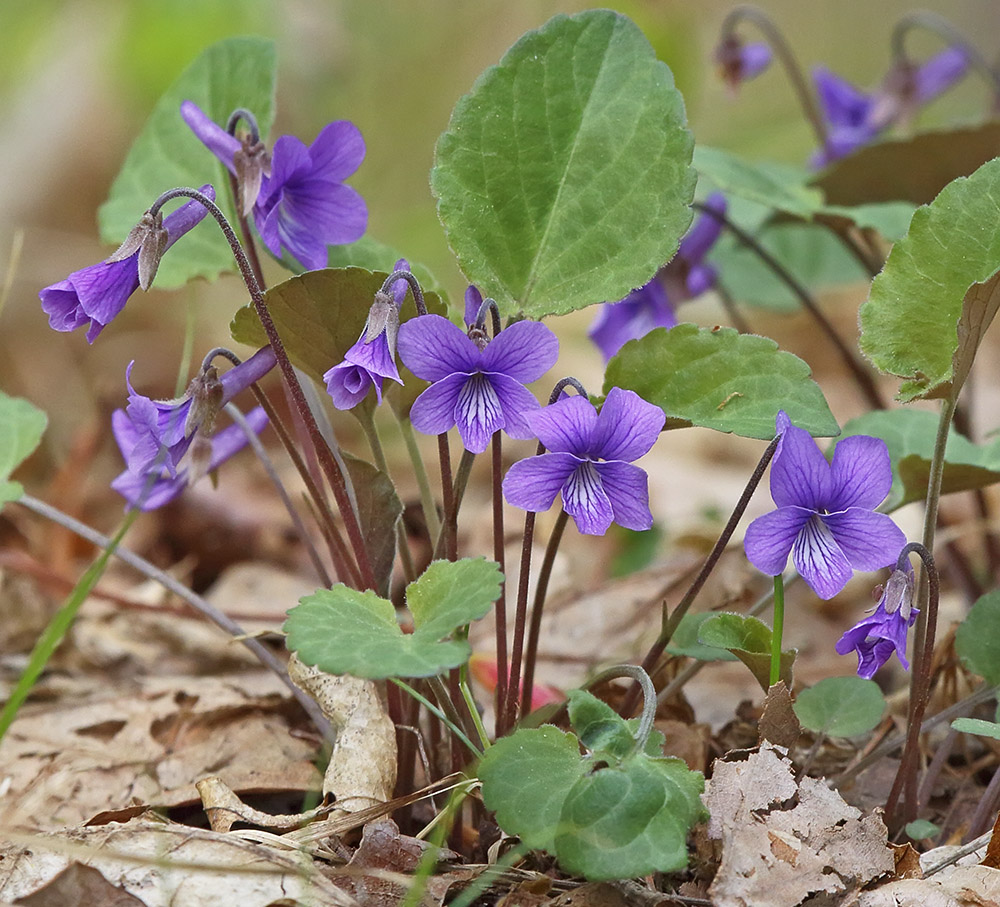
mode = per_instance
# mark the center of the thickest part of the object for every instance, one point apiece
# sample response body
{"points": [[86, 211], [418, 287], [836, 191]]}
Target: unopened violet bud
{"points": [[150, 239], [473, 303], [739, 61], [383, 318]]}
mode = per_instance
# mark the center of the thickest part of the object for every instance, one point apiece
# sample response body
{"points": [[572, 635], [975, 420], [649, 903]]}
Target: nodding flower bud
{"points": [[207, 395], [739, 62], [383, 316], [251, 163], [150, 237]]}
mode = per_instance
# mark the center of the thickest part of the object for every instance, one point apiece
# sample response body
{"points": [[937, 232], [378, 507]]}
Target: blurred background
{"points": [[78, 78]]}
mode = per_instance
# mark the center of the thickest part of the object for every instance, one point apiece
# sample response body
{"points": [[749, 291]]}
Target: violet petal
{"points": [[432, 347], [868, 540], [627, 426], [627, 487], [525, 350], [566, 425], [533, 483], [818, 558], [769, 538], [585, 499]]}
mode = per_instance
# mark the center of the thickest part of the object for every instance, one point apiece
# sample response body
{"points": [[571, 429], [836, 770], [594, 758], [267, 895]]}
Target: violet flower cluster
{"points": [[155, 435], [826, 515], [372, 359], [684, 277], [93, 296], [303, 206], [589, 461], [479, 390]]}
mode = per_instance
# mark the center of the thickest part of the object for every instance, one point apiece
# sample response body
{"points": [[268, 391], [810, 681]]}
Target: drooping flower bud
{"points": [[383, 316], [739, 61], [207, 395], [251, 163]]}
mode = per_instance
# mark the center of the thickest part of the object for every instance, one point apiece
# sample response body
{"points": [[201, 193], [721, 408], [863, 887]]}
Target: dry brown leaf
{"points": [[992, 858], [964, 886], [782, 841], [778, 723], [168, 865], [64, 763], [362, 768], [79, 886], [224, 809], [591, 894]]}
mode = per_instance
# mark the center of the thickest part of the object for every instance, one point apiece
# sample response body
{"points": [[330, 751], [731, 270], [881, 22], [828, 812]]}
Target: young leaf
{"points": [[343, 631], [685, 640], [925, 313], [749, 639], [720, 379], [909, 435], [21, 428], [563, 179], [236, 72], [319, 316], [977, 726], [920, 829], [526, 778], [977, 640], [600, 727], [840, 706], [629, 820]]}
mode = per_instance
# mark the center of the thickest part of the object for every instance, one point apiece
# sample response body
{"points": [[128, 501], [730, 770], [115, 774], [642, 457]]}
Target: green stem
{"points": [[442, 717], [779, 626], [420, 471], [470, 704], [500, 608]]}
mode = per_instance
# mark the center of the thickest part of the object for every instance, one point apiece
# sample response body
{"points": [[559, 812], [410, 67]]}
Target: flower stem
{"points": [[520, 613], [920, 688], [427, 501], [534, 630], [500, 613], [450, 720], [328, 462], [445, 542], [670, 624], [783, 51], [778, 629], [272, 474], [861, 375]]}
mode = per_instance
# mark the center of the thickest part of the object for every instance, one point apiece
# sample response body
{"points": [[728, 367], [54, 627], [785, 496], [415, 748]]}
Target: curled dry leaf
{"points": [[224, 809], [783, 841], [362, 769]]}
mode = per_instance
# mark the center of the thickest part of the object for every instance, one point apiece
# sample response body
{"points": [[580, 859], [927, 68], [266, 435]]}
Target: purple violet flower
{"points": [[855, 117], [826, 515], [590, 461], [684, 277], [739, 61], [373, 357], [876, 637], [93, 296], [479, 390], [302, 206], [155, 435]]}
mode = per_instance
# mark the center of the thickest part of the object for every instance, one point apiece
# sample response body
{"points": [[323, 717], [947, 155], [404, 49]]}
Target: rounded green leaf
{"points": [[977, 640], [600, 728], [909, 435], [920, 829], [910, 325], [629, 820], [21, 427], [563, 178], [840, 706], [749, 639], [526, 778], [236, 72], [720, 379], [343, 631]]}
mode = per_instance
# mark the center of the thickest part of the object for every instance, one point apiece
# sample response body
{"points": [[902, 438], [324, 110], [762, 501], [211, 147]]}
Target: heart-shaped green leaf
{"points": [[840, 706], [977, 640], [21, 428], [928, 308], [343, 631], [236, 72], [909, 436], [720, 379], [563, 179]]}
